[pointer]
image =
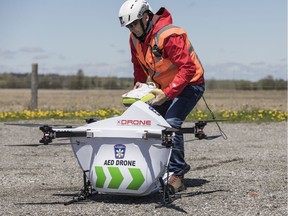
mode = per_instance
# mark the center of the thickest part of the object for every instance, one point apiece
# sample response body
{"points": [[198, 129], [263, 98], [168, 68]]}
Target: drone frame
{"points": [[166, 190]]}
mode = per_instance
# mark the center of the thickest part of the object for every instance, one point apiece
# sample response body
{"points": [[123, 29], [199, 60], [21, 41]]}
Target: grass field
{"points": [[71, 100]]}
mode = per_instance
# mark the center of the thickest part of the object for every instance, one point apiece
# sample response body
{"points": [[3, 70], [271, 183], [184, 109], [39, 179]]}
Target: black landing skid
{"points": [[167, 192], [86, 192]]}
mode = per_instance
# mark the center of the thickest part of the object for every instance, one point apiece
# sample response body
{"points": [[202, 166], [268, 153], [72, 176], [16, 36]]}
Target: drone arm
{"points": [[197, 130], [49, 134], [61, 134], [149, 135], [192, 130]]}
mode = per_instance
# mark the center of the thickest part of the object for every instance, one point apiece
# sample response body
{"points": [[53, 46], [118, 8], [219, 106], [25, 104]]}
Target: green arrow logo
{"points": [[101, 177], [138, 179], [117, 178]]}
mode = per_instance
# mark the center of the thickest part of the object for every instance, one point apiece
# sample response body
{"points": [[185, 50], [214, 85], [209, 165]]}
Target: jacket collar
{"points": [[161, 19]]}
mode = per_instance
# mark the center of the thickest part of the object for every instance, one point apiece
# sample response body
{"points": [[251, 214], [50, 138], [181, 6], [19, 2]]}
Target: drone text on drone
{"points": [[134, 122], [120, 162]]}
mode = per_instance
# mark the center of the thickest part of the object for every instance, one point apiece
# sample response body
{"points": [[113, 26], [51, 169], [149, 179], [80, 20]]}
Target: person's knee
{"points": [[175, 122]]}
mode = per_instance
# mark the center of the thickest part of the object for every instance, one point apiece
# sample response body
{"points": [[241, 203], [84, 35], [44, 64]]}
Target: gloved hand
{"points": [[137, 85], [160, 97]]}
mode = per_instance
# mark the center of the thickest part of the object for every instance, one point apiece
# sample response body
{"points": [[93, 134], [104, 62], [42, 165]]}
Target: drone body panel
{"points": [[119, 156]]}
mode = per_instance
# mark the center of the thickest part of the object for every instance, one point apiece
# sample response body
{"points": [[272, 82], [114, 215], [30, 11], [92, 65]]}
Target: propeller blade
{"points": [[24, 145], [60, 139], [169, 129], [40, 144], [38, 125], [210, 120], [163, 126], [159, 146], [212, 137], [24, 124], [172, 129], [216, 120]]}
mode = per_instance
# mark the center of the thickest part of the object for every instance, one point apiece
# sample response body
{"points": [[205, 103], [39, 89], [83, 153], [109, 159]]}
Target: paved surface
{"points": [[244, 175]]}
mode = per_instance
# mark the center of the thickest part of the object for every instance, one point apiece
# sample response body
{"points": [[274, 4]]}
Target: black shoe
{"points": [[186, 168]]}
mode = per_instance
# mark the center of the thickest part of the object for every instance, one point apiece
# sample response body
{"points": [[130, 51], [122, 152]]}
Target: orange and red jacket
{"points": [[166, 56]]}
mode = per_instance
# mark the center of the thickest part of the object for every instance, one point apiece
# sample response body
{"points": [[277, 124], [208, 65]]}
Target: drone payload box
{"points": [[124, 154]]}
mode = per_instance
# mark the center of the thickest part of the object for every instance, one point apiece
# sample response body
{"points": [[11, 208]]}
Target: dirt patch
{"points": [[18, 100]]}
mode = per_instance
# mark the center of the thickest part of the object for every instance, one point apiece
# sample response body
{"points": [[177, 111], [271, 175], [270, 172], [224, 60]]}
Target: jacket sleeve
{"points": [[176, 50], [139, 74]]}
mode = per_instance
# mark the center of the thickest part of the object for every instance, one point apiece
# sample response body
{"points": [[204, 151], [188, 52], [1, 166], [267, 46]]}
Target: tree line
{"points": [[80, 81], [56, 81]]}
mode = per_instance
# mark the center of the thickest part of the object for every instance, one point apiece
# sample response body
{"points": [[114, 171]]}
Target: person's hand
{"points": [[137, 85], [160, 97]]}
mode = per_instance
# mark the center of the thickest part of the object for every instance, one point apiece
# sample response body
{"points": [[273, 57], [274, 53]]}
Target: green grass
{"points": [[228, 115], [257, 115]]}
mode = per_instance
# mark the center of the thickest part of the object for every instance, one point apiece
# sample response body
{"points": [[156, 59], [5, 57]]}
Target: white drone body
{"points": [[124, 154]]}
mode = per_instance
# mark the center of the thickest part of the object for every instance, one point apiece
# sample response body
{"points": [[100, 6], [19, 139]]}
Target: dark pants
{"points": [[175, 112]]}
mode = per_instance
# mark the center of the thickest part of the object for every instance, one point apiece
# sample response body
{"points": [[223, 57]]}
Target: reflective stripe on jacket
{"points": [[162, 70]]}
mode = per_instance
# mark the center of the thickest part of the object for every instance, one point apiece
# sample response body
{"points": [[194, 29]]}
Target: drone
{"points": [[124, 155]]}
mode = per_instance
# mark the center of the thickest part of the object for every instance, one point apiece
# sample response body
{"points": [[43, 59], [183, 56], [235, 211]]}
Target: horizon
{"points": [[99, 76]]}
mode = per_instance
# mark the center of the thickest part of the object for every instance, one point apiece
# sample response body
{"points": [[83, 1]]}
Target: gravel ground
{"points": [[244, 175]]}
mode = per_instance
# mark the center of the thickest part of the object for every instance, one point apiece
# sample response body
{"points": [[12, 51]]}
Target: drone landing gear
{"points": [[85, 193], [167, 192]]}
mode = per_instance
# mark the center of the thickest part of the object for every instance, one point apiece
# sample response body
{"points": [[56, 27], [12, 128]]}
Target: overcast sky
{"points": [[234, 39]]}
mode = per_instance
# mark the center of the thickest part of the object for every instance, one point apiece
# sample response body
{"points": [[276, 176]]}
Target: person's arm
{"points": [[176, 50]]}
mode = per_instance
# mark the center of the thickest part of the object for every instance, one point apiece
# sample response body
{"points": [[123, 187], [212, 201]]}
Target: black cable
{"points": [[213, 117]]}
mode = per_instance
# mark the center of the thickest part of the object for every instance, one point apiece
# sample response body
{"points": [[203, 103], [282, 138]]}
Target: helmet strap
{"points": [[145, 31]]}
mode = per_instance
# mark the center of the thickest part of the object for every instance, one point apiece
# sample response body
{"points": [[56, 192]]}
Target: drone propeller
{"points": [[210, 120], [38, 125], [163, 126], [24, 124], [25, 145], [36, 145], [212, 137], [180, 130], [159, 146], [205, 138], [41, 144], [197, 129]]}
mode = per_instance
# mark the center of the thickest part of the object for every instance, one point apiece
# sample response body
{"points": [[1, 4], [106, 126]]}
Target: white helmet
{"points": [[132, 10]]}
